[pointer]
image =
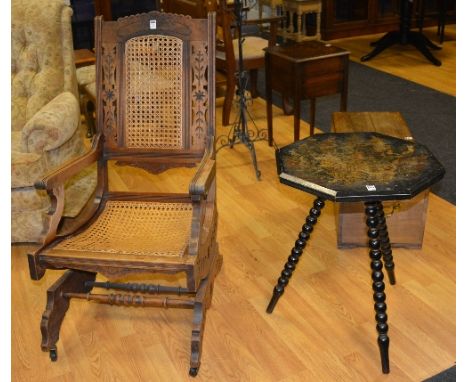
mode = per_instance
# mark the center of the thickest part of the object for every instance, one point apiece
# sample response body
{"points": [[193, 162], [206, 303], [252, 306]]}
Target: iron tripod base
{"points": [[240, 133]]}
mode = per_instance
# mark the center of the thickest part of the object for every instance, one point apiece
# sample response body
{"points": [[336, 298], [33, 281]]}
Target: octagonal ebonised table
{"points": [[352, 167]]}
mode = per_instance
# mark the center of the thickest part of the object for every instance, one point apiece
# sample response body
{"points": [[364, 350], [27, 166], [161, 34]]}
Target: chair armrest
{"points": [[59, 176], [54, 183], [53, 125], [202, 179]]}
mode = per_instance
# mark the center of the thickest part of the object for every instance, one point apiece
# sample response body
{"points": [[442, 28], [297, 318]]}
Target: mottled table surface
{"points": [[350, 167]]}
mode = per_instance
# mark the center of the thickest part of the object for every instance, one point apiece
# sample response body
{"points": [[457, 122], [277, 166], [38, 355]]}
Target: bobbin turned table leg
{"points": [[378, 285], [296, 253], [385, 244]]}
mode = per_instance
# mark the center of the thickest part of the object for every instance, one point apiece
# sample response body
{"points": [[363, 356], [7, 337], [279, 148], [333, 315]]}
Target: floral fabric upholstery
{"points": [[45, 117], [86, 75]]}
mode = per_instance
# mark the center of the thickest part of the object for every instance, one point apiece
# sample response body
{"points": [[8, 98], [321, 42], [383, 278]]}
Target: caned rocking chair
{"points": [[155, 110]]}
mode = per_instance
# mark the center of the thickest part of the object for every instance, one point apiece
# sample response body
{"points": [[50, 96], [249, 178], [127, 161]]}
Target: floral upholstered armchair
{"points": [[45, 114]]}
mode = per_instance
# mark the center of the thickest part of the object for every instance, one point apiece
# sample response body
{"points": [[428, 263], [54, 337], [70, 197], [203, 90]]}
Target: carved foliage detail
{"points": [[199, 65], [109, 92]]}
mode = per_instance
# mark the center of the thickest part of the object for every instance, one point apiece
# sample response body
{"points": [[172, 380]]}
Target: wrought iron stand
{"points": [[239, 131]]}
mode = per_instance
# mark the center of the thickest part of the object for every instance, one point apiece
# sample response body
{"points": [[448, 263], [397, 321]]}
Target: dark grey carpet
{"points": [[429, 113], [449, 375]]}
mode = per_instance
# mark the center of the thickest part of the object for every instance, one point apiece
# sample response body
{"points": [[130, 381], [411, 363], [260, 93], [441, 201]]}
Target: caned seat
{"points": [[155, 113], [133, 231]]}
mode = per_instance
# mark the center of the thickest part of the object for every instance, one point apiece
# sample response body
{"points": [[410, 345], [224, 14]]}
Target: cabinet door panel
{"points": [[351, 10], [387, 8]]}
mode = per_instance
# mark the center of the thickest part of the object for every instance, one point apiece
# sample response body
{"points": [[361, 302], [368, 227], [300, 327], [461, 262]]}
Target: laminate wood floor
{"points": [[407, 62], [323, 328]]}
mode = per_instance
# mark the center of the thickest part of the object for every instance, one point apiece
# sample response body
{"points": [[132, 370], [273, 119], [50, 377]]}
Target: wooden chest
{"points": [[405, 219]]}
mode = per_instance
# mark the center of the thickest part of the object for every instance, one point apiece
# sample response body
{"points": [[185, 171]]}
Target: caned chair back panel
{"points": [[153, 105], [152, 83]]}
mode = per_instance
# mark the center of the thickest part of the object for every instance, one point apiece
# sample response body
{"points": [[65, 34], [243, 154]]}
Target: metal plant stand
{"points": [[240, 131]]}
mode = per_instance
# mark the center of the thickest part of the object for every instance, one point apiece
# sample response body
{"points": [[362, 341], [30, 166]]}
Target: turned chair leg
{"points": [[57, 306], [296, 253], [378, 285], [253, 74]]}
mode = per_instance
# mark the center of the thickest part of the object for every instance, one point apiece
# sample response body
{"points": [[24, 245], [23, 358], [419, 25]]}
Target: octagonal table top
{"points": [[347, 167]]}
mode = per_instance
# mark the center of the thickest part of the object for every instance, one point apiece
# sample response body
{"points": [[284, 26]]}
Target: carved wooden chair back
{"points": [[155, 110], [153, 85]]}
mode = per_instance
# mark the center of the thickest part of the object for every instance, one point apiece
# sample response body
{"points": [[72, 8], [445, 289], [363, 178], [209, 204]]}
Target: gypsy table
{"points": [[352, 167]]}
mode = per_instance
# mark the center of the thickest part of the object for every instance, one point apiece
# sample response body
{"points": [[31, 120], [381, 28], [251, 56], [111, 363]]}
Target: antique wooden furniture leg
{"points": [[89, 112], [385, 244], [378, 285], [58, 304], [85, 61], [202, 303], [312, 116], [253, 75], [296, 253], [269, 99], [199, 313], [228, 98], [441, 20], [297, 107]]}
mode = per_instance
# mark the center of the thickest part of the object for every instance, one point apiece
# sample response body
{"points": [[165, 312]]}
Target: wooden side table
{"points": [[305, 71], [301, 8], [356, 167]]}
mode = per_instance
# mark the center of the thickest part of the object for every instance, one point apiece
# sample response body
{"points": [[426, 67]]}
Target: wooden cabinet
{"points": [[194, 8], [346, 18], [84, 12]]}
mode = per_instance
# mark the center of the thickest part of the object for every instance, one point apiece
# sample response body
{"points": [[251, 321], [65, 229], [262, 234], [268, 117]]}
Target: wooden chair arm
{"points": [[54, 184], [59, 176], [201, 181]]}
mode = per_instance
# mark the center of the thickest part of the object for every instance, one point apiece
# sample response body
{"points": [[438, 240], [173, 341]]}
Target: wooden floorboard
{"points": [[407, 62], [323, 328]]}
